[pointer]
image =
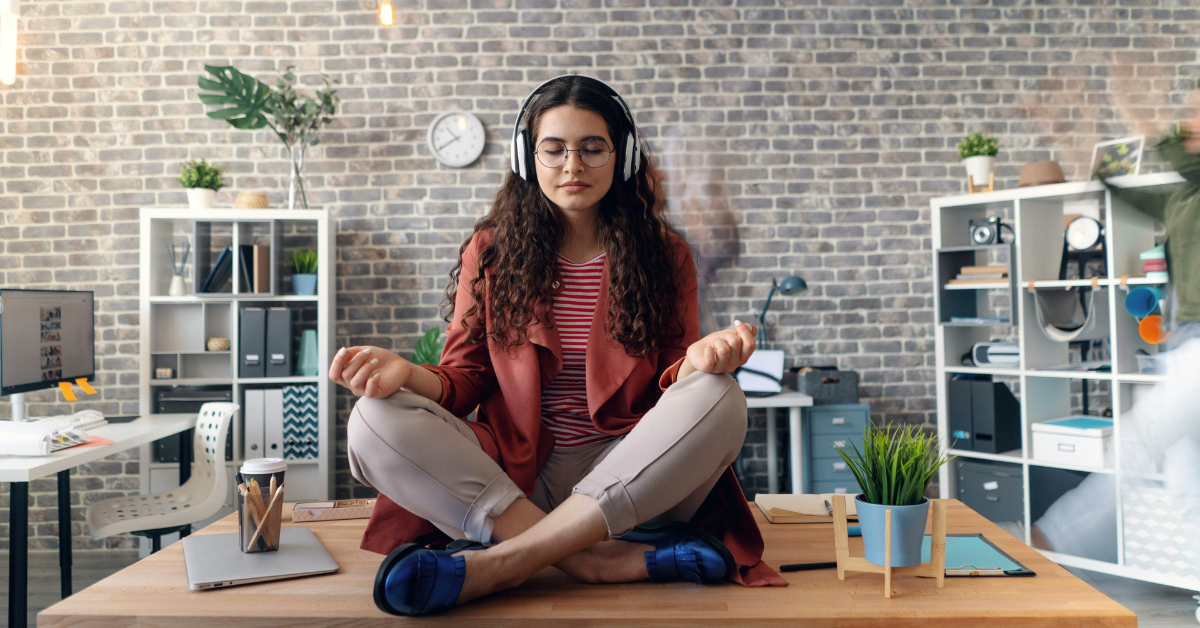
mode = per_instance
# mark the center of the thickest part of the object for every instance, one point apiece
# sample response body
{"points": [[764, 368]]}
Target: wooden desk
{"points": [[19, 471], [154, 592]]}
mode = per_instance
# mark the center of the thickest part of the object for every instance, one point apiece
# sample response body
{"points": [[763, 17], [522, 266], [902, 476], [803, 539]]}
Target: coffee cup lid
{"points": [[257, 466]]}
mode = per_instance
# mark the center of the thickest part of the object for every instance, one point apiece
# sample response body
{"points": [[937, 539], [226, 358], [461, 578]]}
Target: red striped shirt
{"points": [[564, 400]]}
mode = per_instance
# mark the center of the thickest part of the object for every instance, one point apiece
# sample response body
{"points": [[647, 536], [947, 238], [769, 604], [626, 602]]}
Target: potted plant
{"points": [[304, 271], [428, 349], [298, 118], [978, 152], [202, 181], [893, 469]]}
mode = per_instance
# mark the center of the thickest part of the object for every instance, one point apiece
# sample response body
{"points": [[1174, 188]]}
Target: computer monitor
{"points": [[46, 336]]}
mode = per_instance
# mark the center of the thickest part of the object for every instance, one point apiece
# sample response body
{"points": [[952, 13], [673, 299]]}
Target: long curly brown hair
{"points": [[644, 283]]}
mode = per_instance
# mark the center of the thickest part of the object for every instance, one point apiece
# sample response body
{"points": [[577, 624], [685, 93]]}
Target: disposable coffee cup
{"points": [[259, 510]]}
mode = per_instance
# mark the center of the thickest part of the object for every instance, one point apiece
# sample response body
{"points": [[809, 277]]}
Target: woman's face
{"points": [[574, 186]]}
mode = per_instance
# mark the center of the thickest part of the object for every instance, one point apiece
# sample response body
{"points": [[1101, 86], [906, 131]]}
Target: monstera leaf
{"points": [[428, 350], [250, 98]]}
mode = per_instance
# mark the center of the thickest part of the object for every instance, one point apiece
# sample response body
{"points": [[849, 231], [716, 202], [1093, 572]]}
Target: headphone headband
{"points": [[629, 150]]}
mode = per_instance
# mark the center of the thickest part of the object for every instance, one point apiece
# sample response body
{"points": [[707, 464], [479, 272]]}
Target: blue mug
{"points": [[1142, 302]]}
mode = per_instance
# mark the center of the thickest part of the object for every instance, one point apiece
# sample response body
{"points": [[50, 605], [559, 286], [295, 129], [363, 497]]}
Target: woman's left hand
{"points": [[725, 350]]}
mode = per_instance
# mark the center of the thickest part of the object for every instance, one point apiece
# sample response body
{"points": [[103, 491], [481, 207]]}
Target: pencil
{"points": [[273, 498]]}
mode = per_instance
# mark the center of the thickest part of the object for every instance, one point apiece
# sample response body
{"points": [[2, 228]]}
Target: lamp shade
{"points": [[792, 286]]}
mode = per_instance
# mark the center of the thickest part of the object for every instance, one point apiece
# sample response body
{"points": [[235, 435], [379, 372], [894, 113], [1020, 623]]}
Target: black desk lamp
{"points": [[790, 287]]}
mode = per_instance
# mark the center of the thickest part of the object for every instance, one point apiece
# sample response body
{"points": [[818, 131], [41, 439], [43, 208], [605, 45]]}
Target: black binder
{"points": [[996, 416], [958, 399], [221, 270], [252, 343], [279, 342]]}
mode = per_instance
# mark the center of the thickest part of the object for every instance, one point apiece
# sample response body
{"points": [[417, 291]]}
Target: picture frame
{"points": [[1119, 157]]}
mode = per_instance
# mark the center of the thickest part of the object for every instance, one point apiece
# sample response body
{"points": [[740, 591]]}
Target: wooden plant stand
{"points": [[990, 187], [935, 568]]}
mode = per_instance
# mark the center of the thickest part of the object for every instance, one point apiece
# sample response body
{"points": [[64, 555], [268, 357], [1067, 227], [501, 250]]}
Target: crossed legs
{"points": [[414, 458]]}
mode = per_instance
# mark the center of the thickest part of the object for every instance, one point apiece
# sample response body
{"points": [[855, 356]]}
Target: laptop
{"points": [[215, 561]]}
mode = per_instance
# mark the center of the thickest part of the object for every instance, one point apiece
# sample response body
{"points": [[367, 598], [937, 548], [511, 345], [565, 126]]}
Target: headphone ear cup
{"points": [[627, 159], [530, 158], [637, 156], [514, 155]]}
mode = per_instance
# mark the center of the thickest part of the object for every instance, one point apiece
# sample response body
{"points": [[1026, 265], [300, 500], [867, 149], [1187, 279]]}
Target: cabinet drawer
{"points": [[831, 470], [836, 487], [827, 445], [833, 421]]}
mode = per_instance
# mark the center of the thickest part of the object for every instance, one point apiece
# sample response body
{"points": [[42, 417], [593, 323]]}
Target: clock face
{"points": [[1083, 233], [456, 139]]}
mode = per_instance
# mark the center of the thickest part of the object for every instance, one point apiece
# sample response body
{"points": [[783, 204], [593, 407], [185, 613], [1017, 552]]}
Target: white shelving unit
{"points": [[173, 329], [1036, 215]]}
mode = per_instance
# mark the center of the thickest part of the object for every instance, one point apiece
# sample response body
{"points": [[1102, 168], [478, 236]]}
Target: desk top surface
{"points": [[154, 592], [140, 431]]}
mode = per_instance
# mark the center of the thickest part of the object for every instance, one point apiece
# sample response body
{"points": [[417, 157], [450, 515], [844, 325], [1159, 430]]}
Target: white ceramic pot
{"points": [[978, 168], [201, 198]]}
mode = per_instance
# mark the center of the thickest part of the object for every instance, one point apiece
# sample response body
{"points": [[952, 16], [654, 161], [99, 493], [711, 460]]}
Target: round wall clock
{"points": [[456, 138]]}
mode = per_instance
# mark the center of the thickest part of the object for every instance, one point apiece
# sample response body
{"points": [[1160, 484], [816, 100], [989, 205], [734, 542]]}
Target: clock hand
{"points": [[456, 138]]}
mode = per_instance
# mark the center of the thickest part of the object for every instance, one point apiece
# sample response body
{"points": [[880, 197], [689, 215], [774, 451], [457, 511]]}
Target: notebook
{"points": [[801, 508]]}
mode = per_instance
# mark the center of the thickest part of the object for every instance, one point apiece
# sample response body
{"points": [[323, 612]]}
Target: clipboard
{"points": [[975, 555]]}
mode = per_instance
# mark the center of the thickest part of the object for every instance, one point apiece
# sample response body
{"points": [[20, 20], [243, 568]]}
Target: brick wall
{"points": [[825, 126]]}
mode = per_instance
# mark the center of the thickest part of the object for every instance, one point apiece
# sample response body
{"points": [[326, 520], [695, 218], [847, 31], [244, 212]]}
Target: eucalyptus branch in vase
{"points": [[298, 118]]}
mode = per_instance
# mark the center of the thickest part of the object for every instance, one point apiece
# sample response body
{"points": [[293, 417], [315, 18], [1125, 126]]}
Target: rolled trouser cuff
{"points": [[495, 498], [616, 504]]}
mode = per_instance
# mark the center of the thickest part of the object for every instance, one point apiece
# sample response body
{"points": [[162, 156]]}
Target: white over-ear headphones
{"points": [[629, 148]]}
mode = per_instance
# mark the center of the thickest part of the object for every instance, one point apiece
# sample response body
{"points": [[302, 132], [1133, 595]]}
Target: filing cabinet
{"points": [[995, 490], [826, 430]]}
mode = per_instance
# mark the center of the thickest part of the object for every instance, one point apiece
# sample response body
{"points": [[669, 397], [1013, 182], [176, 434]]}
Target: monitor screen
{"points": [[46, 336]]}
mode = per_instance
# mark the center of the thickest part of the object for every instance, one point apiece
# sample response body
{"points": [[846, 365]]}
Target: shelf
{"points": [[1069, 374], [1056, 190], [1069, 467], [1137, 378], [298, 379], [990, 324], [1013, 456], [191, 381], [975, 370], [235, 297], [1080, 283], [999, 285]]}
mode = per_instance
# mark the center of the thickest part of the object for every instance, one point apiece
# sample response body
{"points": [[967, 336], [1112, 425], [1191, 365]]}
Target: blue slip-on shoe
{"points": [[682, 552], [415, 580]]}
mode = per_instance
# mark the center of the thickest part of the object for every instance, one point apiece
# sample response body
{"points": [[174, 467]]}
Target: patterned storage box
{"points": [[1156, 537], [300, 436]]}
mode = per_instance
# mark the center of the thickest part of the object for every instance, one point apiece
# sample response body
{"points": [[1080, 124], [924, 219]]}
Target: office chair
{"points": [[152, 516]]}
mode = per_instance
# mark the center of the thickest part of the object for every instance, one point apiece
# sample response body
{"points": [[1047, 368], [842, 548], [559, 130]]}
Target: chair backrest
{"points": [[209, 483]]}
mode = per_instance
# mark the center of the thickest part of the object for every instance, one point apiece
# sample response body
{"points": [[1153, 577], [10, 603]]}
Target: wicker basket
{"points": [[250, 200], [218, 344]]}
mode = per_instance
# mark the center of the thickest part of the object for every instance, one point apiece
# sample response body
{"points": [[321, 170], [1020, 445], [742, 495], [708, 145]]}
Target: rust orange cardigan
{"points": [[620, 389]]}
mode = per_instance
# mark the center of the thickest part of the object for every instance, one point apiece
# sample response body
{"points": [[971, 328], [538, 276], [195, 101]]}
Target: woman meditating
{"points": [[605, 425]]}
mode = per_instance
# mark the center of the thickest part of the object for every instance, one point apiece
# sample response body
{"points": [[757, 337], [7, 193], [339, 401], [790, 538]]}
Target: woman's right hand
{"points": [[369, 371]]}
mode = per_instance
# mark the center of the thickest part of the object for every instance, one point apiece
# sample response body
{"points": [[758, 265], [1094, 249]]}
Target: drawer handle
{"points": [[991, 486], [839, 466], [1066, 447], [992, 498], [839, 420], [840, 489], [838, 444]]}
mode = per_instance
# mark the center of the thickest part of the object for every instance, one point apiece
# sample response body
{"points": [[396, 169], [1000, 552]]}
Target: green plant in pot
{"points": [[304, 271], [893, 468], [978, 152], [428, 349], [202, 181]]}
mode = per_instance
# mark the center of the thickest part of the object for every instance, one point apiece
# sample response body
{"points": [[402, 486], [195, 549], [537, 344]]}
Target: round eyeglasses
{"points": [[594, 153]]}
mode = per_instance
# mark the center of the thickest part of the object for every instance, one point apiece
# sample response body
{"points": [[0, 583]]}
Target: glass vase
{"points": [[296, 176]]}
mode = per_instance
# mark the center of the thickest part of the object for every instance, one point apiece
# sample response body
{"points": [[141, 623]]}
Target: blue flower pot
{"points": [[908, 530], [304, 284], [1142, 302]]}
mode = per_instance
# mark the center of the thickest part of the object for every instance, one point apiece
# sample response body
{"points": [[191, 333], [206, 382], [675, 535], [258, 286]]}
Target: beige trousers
{"points": [[429, 461]]}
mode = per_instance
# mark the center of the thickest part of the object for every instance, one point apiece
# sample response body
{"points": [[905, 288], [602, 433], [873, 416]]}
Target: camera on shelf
{"points": [[987, 230]]}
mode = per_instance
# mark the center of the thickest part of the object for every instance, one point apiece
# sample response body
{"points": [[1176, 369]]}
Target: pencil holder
{"points": [[260, 504]]}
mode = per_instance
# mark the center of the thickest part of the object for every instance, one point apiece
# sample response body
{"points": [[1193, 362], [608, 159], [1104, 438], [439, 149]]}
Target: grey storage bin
{"points": [[827, 386]]}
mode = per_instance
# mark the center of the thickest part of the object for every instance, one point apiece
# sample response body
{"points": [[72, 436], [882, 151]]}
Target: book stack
{"points": [[255, 271], [981, 275]]}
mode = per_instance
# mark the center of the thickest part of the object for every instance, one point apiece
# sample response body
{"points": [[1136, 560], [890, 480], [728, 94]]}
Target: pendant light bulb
{"points": [[10, 10], [387, 15]]}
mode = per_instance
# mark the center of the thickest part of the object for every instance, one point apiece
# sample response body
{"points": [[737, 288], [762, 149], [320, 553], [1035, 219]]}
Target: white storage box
{"points": [[1079, 440]]}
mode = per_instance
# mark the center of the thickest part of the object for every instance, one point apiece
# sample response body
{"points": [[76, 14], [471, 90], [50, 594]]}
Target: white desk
{"points": [[19, 471], [793, 401]]}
